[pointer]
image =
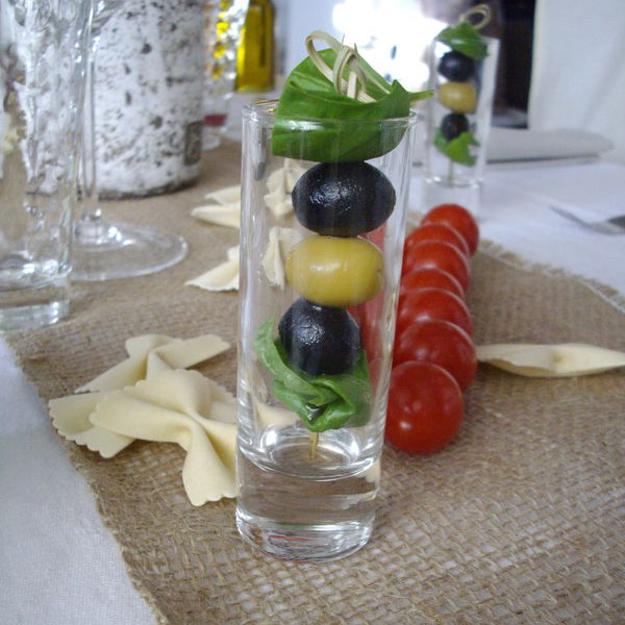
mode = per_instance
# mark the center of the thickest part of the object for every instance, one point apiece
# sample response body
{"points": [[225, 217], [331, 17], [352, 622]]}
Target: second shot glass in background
{"points": [[462, 64]]}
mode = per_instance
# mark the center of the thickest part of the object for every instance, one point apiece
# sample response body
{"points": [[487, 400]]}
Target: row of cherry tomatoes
{"points": [[434, 357]]}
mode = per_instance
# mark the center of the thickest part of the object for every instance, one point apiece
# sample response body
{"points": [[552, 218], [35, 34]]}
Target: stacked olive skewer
{"points": [[319, 363], [335, 268], [460, 67], [459, 94]]}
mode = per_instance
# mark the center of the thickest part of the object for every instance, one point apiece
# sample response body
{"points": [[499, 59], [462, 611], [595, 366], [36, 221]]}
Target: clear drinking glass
{"points": [[42, 63], [445, 178], [103, 250], [317, 303]]}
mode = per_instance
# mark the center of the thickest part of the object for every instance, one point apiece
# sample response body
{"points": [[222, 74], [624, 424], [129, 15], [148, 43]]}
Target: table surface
{"points": [[51, 536]]}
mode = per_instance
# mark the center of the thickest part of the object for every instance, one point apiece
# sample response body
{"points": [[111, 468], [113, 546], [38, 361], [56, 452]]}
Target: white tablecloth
{"points": [[60, 566], [515, 213]]}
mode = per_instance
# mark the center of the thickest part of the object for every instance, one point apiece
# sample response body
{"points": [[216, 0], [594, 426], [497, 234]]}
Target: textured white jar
{"points": [[148, 98]]}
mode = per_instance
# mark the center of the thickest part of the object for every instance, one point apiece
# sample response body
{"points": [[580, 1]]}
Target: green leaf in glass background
{"points": [[308, 95], [458, 149], [464, 38]]}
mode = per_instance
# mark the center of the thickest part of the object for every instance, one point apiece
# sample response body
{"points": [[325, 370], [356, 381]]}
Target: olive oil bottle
{"points": [[255, 62]]}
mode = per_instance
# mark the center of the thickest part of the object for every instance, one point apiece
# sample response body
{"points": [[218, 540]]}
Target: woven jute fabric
{"points": [[520, 521]]}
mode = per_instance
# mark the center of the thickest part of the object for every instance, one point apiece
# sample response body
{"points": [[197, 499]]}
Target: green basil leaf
{"points": [[308, 95], [321, 397], [268, 354], [464, 38], [458, 149], [322, 402], [354, 389], [332, 416]]}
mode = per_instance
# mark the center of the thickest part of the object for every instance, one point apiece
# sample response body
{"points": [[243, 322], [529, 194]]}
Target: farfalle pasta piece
{"points": [[550, 361], [225, 196], [70, 417], [186, 408], [224, 277], [281, 240], [220, 215], [147, 355], [185, 353], [280, 183], [156, 352], [130, 370], [286, 177], [225, 209]]}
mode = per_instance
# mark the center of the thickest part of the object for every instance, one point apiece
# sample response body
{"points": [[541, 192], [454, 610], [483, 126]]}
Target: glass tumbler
{"points": [[42, 63], [458, 126], [321, 248]]}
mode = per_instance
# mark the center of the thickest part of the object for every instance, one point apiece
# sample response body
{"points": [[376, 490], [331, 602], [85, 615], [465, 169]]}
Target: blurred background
{"points": [[557, 62], [393, 35]]}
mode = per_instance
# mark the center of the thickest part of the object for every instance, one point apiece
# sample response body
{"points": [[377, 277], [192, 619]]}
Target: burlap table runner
{"points": [[521, 520]]}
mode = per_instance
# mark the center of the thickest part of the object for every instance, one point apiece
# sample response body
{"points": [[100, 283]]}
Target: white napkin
{"points": [[512, 144], [51, 535]]}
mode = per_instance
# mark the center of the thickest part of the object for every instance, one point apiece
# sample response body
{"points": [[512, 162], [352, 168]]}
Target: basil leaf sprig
{"points": [[331, 87], [464, 38], [458, 149], [322, 402]]}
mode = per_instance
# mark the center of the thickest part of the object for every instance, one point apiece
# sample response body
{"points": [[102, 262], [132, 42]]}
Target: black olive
{"points": [[319, 339], [453, 125], [456, 66], [343, 199]]}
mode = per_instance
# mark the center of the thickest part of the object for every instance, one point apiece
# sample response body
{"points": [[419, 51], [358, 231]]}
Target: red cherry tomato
{"points": [[437, 232], [432, 304], [459, 218], [441, 343], [425, 408], [441, 255], [430, 278]]}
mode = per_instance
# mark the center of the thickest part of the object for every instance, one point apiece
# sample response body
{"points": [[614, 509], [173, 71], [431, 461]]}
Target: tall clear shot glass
{"points": [[458, 124], [321, 248]]}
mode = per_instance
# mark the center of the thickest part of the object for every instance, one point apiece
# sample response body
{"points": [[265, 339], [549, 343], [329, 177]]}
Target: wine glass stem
{"points": [[91, 212]]}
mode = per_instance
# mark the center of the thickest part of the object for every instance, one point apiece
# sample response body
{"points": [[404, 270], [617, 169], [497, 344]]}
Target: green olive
{"points": [[334, 271], [460, 97]]}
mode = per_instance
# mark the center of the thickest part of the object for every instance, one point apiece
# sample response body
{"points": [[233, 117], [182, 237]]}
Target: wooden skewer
{"points": [[314, 440]]}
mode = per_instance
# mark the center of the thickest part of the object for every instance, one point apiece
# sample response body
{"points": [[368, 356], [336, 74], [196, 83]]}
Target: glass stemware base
{"points": [[103, 251]]}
